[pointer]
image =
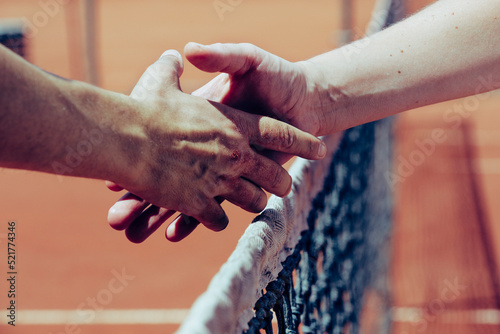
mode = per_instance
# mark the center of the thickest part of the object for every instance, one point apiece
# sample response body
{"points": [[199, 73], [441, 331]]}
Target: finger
{"points": [[183, 225], [170, 65], [113, 186], [215, 90], [180, 228], [212, 216], [161, 76], [125, 211], [227, 58], [269, 175], [278, 136], [147, 223], [279, 157], [246, 195]]}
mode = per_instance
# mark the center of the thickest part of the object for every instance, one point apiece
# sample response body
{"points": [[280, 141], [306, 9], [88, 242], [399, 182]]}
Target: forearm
{"points": [[53, 125], [449, 50]]}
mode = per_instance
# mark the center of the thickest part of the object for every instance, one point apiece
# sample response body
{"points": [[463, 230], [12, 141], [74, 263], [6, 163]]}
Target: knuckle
{"points": [[278, 135], [250, 52], [235, 156], [313, 147], [287, 138], [279, 178], [255, 201], [238, 159], [248, 48], [268, 132], [259, 201]]}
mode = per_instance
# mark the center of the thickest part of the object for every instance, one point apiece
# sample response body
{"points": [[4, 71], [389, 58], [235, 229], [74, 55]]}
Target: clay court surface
{"points": [[444, 272]]}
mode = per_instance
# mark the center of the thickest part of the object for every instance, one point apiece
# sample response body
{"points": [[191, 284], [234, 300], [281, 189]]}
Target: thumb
{"points": [[161, 76], [227, 58], [173, 59]]}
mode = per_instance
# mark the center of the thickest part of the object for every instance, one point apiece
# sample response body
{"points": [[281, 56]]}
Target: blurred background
{"points": [[68, 258]]}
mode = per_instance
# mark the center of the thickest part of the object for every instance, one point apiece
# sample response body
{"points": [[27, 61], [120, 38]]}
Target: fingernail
{"points": [[174, 53], [197, 44], [322, 150], [170, 233]]}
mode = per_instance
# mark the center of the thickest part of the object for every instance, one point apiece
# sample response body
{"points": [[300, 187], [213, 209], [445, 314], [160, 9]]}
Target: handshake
{"points": [[176, 152], [226, 141]]}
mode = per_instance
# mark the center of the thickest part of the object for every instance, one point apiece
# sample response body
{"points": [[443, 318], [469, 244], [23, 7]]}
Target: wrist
{"points": [[349, 89], [107, 134], [327, 97], [125, 138]]}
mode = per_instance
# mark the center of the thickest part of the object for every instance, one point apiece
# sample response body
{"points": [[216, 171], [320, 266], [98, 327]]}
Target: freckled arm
{"points": [[449, 50]]}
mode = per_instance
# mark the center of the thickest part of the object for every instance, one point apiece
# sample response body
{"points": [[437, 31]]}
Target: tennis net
{"points": [[12, 36], [309, 258]]}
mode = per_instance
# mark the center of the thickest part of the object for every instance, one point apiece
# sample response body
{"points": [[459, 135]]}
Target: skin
{"points": [[166, 147], [449, 50]]}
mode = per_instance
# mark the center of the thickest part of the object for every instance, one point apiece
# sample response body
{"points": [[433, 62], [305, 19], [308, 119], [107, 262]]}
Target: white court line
{"points": [[487, 166], [176, 316], [486, 137], [478, 317], [99, 317]]}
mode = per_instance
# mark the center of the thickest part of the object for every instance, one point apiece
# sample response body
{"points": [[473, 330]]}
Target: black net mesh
{"points": [[343, 251], [12, 36]]}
